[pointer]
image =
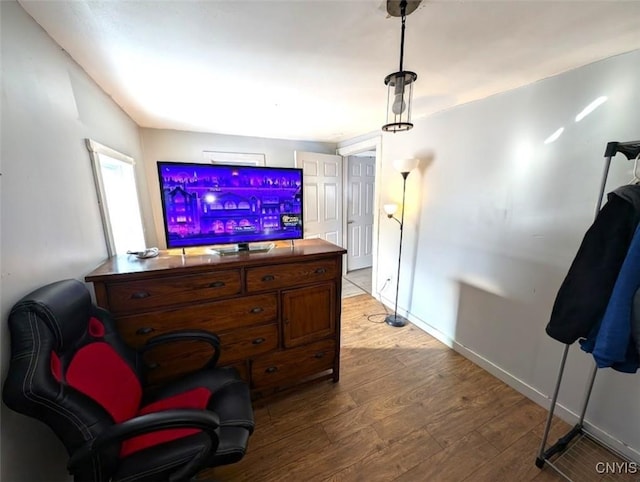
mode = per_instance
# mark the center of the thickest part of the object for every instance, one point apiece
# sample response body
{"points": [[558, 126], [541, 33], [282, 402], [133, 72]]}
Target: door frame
{"points": [[346, 151]]}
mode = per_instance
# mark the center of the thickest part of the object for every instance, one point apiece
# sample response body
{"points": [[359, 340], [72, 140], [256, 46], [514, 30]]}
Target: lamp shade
{"points": [[390, 209], [405, 165], [399, 95]]}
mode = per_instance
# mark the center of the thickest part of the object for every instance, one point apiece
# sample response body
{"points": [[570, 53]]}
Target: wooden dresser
{"points": [[277, 314]]}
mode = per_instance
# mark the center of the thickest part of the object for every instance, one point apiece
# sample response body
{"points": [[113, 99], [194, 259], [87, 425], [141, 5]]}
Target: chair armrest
{"points": [[207, 421], [187, 335]]}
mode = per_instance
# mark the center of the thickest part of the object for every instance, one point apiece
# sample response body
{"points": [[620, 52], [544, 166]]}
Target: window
{"points": [[118, 199]]}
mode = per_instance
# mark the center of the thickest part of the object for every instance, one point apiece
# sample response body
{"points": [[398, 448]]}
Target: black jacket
{"points": [[583, 296]]}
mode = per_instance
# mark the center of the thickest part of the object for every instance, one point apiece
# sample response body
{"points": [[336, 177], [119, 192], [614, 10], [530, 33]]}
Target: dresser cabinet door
{"points": [[308, 314]]}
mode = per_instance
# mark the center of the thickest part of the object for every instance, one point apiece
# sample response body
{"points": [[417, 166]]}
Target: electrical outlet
{"points": [[385, 285]]}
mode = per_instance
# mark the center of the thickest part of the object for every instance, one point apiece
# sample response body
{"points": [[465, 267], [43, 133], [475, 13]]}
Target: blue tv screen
{"points": [[210, 204]]}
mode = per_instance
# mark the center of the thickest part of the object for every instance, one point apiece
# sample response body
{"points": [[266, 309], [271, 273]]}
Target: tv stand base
{"points": [[242, 248]]}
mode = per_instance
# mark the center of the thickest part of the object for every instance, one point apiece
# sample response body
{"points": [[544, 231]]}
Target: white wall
{"points": [[51, 225], [169, 145], [495, 217]]}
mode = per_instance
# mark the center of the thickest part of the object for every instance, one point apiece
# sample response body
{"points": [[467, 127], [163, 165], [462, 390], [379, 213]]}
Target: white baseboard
{"points": [[524, 388]]}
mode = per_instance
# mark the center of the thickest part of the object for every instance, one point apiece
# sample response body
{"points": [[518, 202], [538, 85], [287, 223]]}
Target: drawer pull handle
{"points": [[216, 284], [152, 366], [319, 354], [257, 309], [321, 271], [258, 341], [139, 295], [144, 331], [271, 370], [268, 277]]}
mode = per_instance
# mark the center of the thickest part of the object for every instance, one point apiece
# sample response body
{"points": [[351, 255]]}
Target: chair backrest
{"points": [[69, 368]]}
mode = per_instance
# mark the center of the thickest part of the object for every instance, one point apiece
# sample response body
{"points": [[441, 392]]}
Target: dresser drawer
{"points": [[153, 293], [287, 367], [248, 343], [290, 275], [216, 317], [172, 359]]}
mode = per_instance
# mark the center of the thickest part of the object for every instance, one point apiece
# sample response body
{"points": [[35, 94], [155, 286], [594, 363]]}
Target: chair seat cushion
{"points": [[230, 396], [196, 398], [158, 462]]}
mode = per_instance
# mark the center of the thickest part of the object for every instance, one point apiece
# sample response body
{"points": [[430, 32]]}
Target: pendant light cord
{"points": [[403, 9]]}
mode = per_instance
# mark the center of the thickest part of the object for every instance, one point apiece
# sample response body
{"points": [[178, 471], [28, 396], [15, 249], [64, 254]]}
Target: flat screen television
{"points": [[244, 206]]}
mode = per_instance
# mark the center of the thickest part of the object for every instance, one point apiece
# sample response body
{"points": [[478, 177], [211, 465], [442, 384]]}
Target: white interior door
{"points": [[361, 182], [322, 195]]}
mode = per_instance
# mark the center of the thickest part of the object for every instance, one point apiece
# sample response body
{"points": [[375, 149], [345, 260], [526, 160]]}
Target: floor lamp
{"points": [[404, 166]]}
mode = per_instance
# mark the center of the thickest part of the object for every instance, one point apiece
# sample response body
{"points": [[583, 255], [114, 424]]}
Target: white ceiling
{"points": [[314, 69]]}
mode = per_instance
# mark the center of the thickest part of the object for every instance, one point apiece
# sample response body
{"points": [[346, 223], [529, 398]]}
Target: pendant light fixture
{"points": [[400, 83]]}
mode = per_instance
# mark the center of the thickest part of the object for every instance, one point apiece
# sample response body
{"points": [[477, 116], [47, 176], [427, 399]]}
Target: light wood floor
{"points": [[357, 282], [406, 408]]}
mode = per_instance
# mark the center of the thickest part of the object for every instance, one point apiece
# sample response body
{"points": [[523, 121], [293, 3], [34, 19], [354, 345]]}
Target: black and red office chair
{"points": [[70, 369]]}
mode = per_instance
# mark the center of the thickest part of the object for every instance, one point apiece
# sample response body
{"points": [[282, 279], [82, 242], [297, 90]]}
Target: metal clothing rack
{"points": [[578, 437]]}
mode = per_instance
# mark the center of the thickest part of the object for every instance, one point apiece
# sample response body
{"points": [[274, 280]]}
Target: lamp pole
{"points": [[395, 320]]}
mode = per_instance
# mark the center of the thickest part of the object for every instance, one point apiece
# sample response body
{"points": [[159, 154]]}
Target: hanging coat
{"points": [[635, 321], [611, 342], [584, 294]]}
